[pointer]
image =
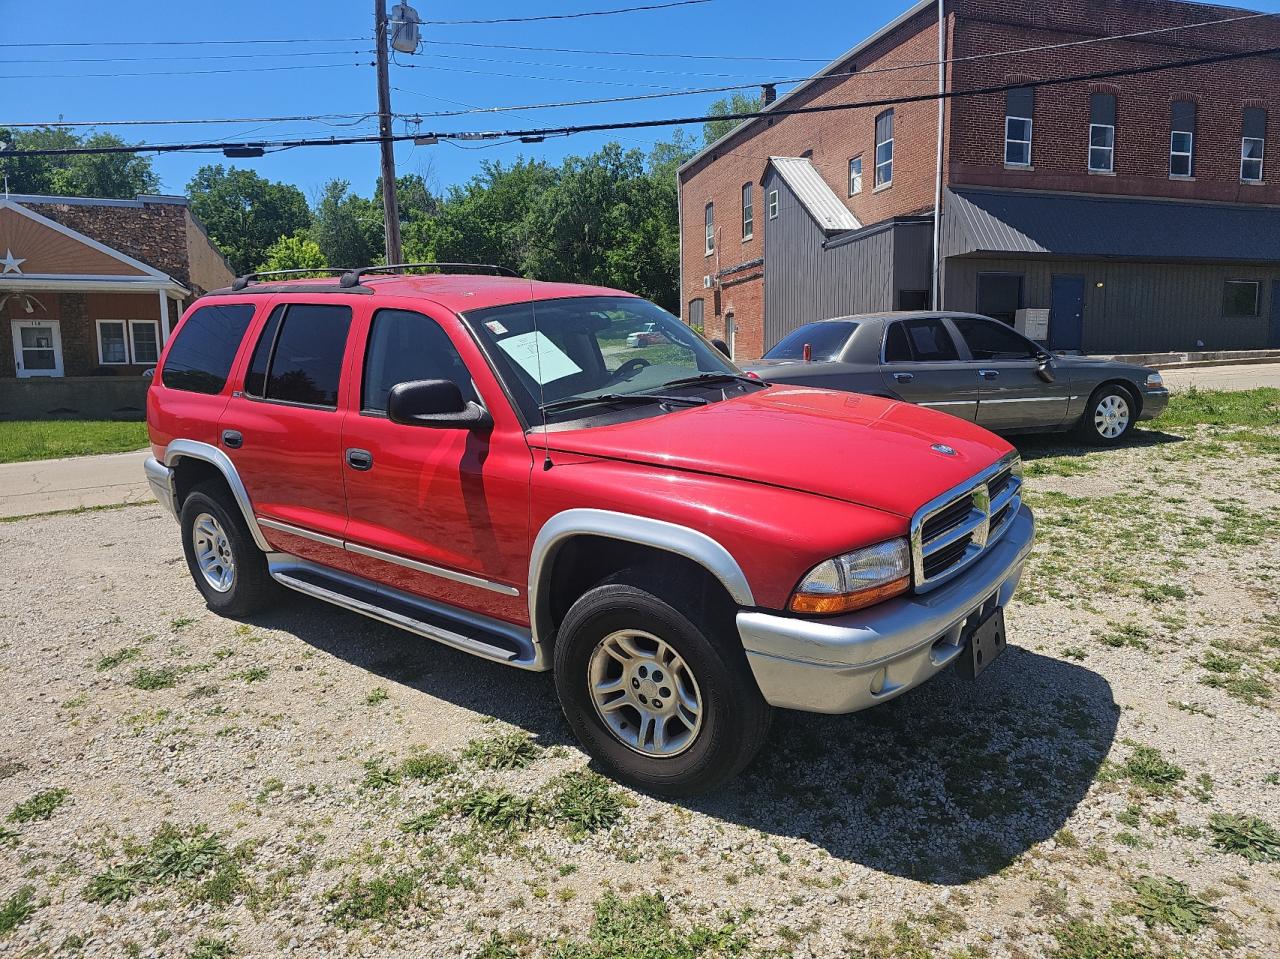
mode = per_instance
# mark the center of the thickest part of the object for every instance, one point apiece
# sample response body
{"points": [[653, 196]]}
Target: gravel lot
{"points": [[313, 784]]}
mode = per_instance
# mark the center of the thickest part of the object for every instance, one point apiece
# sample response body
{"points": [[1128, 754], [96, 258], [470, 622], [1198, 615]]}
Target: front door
{"points": [[1066, 316], [1013, 394], [37, 347], [1273, 341], [921, 364]]}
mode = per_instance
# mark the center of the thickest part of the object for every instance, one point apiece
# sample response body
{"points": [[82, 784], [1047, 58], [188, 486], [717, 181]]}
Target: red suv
{"points": [[502, 467]]}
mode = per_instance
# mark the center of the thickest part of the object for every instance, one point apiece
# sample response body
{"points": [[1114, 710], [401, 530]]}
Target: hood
{"points": [[860, 449]]}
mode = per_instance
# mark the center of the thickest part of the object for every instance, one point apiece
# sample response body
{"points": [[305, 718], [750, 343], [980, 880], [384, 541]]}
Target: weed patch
{"points": [[113, 659], [585, 802], [641, 928], [510, 751], [1083, 939], [172, 855], [356, 901], [1164, 901], [1149, 770], [1255, 839], [40, 806], [17, 909], [149, 678]]}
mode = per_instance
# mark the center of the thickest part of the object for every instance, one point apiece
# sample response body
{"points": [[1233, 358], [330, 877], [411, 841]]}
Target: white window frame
{"points": [[748, 211], [855, 179], [773, 204], [879, 164], [133, 343], [709, 224], [1030, 122], [1189, 153], [1110, 150], [1261, 160], [124, 335]]}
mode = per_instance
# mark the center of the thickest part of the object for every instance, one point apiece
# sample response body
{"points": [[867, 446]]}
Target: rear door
{"points": [[921, 363], [1012, 393], [442, 513], [283, 427]]}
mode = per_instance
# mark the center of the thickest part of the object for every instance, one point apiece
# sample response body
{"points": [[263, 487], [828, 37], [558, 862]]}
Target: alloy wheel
{"points": [[213, 552], [1111, 417], [645, 693]]}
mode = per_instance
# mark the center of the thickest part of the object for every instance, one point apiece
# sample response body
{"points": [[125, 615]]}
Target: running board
{"points": [[470, 632]]}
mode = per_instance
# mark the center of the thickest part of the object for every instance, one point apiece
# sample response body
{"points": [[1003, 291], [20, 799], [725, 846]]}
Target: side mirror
{"points": [[1044, 366], [722, 346], [436, 403]]}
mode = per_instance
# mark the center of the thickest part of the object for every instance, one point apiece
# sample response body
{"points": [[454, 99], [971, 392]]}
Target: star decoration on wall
{"points": [[11, 263]]}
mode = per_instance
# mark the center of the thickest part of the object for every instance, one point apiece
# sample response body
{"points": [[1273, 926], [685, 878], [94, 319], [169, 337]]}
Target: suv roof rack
{"points": [[351, 278], [242, 282]]}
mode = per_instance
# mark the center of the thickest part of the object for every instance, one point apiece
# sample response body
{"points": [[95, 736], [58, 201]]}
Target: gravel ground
{"points": [[312, 783]]}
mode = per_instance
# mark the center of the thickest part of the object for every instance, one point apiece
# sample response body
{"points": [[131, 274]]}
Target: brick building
{"points": [[1142, 212], [89, 289]]}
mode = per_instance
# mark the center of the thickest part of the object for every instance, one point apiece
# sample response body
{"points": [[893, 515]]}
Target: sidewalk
{"points": [[1244, 377], [43, 486]]}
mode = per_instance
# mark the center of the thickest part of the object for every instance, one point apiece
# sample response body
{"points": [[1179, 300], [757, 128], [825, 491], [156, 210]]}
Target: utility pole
{"points": [[390, 204]]}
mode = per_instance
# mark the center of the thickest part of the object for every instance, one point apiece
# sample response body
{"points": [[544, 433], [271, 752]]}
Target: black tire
{"points": [[250, 586], [734, 716], [1093, 427]]}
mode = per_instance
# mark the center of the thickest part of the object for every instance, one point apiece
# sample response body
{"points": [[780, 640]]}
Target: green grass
{"points": [[356, 901], [1149, 770], [23, 440], [497, 810], [1248, 836], [641, 928], [509, 751], [1260, 407], [426, 767], [16, 910], [172, 855], [585, 802], [113, 659], [40, 806], [1164, 901], [149, 678], [207, 947], [1083, 939]]}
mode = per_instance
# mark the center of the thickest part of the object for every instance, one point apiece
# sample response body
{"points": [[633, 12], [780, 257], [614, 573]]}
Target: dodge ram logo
{"points": [[943, 449]]}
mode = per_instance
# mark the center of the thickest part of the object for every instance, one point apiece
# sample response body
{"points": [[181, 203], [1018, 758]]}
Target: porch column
{"points": [[164, 317]]}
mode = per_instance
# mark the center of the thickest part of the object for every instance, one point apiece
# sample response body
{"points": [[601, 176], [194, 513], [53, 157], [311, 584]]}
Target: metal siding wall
{"points": [[1140, 307]]}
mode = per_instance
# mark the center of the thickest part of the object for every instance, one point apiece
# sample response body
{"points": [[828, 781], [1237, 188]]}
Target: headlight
{"points": [[1155, 381], [855, 580]]}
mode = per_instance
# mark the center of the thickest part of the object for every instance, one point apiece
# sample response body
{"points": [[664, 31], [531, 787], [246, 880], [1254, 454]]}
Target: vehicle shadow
{"points": [[1034, 446], [946, 784]]}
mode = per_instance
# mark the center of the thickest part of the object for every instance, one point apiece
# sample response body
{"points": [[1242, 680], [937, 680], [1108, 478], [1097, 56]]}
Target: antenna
{"points": [[542, 389]]}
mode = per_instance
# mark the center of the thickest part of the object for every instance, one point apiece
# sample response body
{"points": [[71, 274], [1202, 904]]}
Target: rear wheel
{"points": [[225, 563], [1109, 416], [654, 690]]}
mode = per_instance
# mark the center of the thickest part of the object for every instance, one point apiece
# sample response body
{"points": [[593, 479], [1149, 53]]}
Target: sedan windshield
{"points": [[826, 340], [593, 348]]}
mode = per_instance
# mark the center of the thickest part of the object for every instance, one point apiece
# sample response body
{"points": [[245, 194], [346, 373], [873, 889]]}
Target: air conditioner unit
{"points": [[706, 282], [1033, 324]]}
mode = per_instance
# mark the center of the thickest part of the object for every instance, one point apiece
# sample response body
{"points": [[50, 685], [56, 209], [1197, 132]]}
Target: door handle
{"points": [[904, 377], [360, 459], [988, 374], [232, 439]]}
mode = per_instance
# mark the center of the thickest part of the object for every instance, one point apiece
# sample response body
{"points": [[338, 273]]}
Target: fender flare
{"points": [[669, 537], [195, 450]]}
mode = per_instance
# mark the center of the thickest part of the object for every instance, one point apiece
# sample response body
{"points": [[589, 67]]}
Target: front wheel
{"points": [[1108, 417], [653, 693]]}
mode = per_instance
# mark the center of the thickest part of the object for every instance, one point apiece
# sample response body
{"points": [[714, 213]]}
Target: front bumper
{"points": [[848, 663], [1153, 403], [161, 479]]}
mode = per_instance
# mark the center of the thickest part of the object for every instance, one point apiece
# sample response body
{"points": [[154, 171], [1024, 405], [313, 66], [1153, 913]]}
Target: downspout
{"points": [[937, 186], [680, 237]]}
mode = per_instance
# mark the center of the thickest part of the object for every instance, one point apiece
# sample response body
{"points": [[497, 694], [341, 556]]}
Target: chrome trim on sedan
{"points": [[299, 531]]}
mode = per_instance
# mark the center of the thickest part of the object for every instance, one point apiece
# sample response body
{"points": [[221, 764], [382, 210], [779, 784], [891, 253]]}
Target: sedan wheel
{"points": [[1109, 416]]}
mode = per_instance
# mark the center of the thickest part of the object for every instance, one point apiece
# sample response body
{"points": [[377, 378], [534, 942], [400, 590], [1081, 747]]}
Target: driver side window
{"points": [[406, 346], [988, 340]]}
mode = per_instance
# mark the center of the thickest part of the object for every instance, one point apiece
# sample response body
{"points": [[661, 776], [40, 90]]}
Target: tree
{"points": [[714, 130], [295, 252], [347, 227], [244, 213], [485, 219], [110, 175]]}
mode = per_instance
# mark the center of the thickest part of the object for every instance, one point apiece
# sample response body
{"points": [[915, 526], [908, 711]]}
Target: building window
{"points": [[1102, 133], [748, 213], [1018, 112], [1182, 125], [773, 204], [884, 149], [1242, 298], [855, 176], [113, 348], [1253, 144], [1000, 295], [709, 220], [144, 341], [695, 314], [125, 342]]}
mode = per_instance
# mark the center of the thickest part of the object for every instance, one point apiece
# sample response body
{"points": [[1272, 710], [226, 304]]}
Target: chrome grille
{"points": [[952, 531]]}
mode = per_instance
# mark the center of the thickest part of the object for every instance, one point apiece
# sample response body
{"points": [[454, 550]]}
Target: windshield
{"points": [[826, 338], [590, 346]]}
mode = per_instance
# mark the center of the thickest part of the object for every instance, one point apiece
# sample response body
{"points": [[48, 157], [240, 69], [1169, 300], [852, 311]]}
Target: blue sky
{"points": [[443, 76]]}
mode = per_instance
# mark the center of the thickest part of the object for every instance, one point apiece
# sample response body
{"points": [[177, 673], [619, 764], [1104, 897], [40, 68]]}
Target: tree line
{"points": [[607, 218]]}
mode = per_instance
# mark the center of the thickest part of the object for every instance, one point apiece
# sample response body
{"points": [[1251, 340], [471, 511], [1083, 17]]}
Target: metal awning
{"points": [[978, 221], [813, 193]]}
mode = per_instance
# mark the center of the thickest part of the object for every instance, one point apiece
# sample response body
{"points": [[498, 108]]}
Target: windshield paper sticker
{"points": [[496, 328], [539, 357]]}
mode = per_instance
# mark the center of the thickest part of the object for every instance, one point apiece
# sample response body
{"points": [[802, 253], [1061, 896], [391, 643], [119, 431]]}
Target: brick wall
{"points": [[1060, 147], [834, 138]]}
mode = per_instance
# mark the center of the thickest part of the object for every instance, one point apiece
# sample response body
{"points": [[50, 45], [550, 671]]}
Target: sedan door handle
{"points": [[232, 439], [360, 459], [988, 374], [904, 377]]}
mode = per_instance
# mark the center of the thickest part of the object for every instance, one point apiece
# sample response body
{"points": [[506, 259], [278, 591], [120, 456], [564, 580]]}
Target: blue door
{"points": [[1273, 340], [1066, 314]]}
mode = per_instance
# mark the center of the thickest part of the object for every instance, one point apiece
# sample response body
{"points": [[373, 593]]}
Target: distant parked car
{"points": [[648, 336], [970, 366]]}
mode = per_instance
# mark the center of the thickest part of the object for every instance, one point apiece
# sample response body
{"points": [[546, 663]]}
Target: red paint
{"points": [[783, 477]]}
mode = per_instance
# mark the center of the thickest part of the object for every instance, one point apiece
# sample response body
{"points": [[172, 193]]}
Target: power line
{"points": [[181, 43], [522, 76], [674, 121], [176, 73], [321, 117], [569, 66], [627, 53], [188, 57], [569, 16]]}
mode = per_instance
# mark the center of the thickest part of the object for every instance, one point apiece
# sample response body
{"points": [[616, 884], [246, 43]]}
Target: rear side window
{"points": [[200, 358], [918, 341], [826, 341], [298, 357], [406, 346], [993, 341]]}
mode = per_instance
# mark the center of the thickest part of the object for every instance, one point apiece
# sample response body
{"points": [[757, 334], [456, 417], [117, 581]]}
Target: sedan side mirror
{"points": [[437, 403], [1044, 366], [722, 346]]}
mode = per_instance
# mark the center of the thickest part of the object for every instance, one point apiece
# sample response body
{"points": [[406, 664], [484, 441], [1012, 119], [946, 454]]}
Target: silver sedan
{"points": [[970, 366]]}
